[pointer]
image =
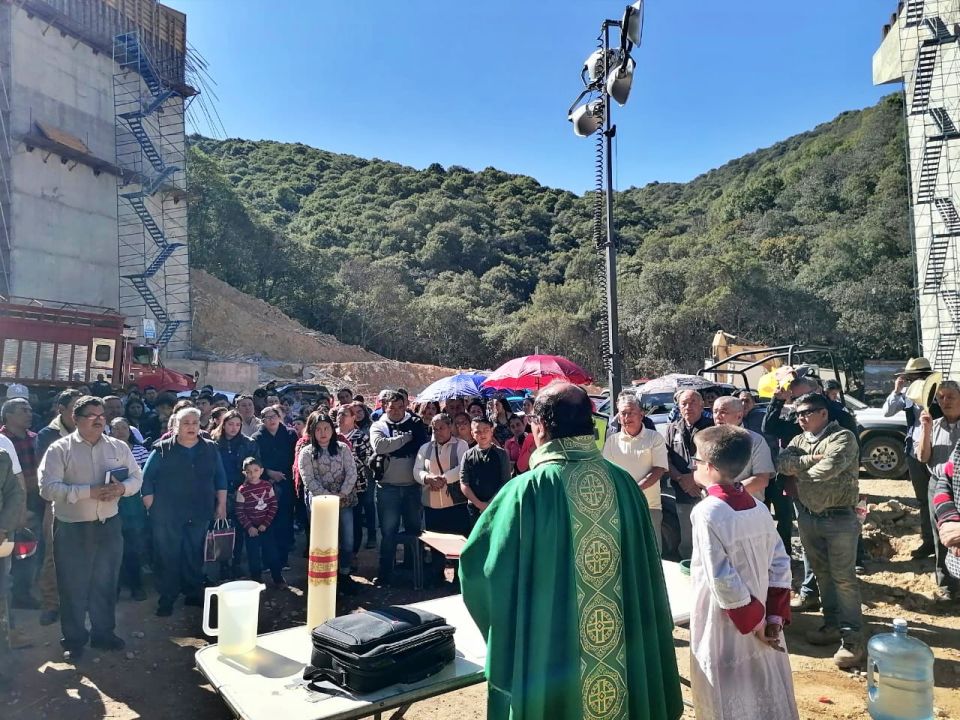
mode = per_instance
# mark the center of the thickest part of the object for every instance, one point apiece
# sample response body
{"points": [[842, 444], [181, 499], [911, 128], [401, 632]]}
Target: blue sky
{"points": [[488, 82]]}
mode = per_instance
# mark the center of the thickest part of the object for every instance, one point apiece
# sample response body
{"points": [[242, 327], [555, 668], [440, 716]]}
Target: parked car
{"points": [[882, 439]]}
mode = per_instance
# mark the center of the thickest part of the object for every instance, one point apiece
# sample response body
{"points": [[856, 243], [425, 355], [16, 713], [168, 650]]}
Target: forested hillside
{"points": [[805, 241]]}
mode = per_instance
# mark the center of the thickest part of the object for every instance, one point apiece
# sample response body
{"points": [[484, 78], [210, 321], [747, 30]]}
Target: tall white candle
{"points": [[322, 563]]}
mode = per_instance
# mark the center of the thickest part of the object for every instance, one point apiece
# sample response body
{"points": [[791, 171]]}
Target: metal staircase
{"points": [[160, 259], [136, 200], [914, 14], [946, 347], [130, 44], [923, 79], [930, 165], [951, 298], [949, 215], [938, 30], [169, 330], [948, 130], [150, 146], [140, 283], [940, 244], [135, 123]]}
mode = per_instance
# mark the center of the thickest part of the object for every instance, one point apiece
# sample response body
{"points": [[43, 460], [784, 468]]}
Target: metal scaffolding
{"points": [[6, 157], [151, 195], [929, 40]]}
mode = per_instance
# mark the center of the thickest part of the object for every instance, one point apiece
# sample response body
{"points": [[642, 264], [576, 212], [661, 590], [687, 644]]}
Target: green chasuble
{"points": [[563, 578]]}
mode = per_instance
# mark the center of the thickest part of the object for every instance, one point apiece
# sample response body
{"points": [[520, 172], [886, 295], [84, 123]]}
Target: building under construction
{"points": [[921, 49], [93, 207]]}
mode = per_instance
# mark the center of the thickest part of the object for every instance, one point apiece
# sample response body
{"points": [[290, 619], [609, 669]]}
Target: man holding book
{"points": [[84, 475]]}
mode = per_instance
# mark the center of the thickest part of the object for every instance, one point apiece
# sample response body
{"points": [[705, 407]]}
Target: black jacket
{"points": [[680, 451]]}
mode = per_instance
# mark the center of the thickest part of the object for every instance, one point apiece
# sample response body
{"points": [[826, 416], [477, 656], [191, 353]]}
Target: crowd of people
{"points": [[110, 484], [107, 485]]}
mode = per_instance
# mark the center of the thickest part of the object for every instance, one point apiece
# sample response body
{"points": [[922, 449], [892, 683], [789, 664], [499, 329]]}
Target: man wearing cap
{"points": [[12, 507], [897, 401], [934, 441]]}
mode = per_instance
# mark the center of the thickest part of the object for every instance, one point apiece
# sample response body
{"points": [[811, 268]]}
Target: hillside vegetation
{"points": [[805, 241]]}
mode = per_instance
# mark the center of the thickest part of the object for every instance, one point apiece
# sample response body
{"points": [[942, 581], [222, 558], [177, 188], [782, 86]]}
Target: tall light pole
{"points": [[607, 75]]}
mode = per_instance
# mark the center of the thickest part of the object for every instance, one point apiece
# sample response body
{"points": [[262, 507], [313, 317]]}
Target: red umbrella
{"points": [[532, 372]]}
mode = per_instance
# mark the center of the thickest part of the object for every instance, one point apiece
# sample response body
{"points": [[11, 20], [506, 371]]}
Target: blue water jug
{"points": [[899, 676]]}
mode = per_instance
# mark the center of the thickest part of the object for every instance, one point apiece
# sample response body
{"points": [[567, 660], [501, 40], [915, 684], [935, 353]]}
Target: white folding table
{"points": [[267, 683]]}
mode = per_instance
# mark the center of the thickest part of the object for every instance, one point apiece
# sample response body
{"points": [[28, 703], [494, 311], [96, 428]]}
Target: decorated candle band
{"points": [[322, 569]]}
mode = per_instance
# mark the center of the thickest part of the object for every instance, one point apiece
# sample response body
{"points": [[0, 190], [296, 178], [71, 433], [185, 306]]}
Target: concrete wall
{"points": [[232, 376], [64, 222]]}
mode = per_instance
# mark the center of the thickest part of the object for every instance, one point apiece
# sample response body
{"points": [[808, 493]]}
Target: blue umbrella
{"points": [[465, 385]]}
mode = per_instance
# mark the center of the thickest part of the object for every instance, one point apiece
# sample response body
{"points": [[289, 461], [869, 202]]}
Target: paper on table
{"points": [[322, 563]]}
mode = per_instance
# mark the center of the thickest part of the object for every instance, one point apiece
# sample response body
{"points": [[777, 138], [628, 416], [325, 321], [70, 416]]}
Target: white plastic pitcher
{"points": [[238, 605]]}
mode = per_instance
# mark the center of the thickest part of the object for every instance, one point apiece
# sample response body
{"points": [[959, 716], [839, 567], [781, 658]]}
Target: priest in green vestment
{"points": [[562, 576]]}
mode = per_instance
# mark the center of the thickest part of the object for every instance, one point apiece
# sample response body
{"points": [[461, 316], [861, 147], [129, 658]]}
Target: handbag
{"points": [[450, 494], [370, 650], [219, 544]]}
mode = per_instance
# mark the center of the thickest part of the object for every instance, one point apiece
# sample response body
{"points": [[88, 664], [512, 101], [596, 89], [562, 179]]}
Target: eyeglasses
{"points": [[269, 416], [807, 413], [99, 416]]}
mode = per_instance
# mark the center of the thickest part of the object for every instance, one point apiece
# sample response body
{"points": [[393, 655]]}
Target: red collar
{"points": [[733, 495]]}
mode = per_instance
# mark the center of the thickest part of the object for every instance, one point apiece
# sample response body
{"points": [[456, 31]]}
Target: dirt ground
{"points": [[155, 677], [232, 324]]}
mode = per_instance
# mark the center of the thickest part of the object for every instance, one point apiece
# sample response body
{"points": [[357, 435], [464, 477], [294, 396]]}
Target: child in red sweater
{"points": [[256, 507]]}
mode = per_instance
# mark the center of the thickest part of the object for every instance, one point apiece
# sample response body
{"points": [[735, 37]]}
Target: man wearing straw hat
{"points": [[897, 401], [935, 440]]}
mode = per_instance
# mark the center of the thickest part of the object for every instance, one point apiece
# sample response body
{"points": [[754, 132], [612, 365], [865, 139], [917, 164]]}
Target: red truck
{"points": [[47, 344]]}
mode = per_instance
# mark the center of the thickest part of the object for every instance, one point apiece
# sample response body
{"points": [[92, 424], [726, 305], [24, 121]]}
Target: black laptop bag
{"points": [[370, 650]]}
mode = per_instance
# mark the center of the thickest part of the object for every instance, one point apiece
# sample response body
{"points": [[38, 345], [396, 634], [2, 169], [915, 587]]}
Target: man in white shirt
{"points": [[641, 452], [757, 474], [437, 468], [87, 533], [248, 415]]}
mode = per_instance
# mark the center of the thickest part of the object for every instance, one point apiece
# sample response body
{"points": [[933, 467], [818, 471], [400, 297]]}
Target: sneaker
{"points": [[108, 642], [73, 655], [805, 603], [280, 584], [824, 635], [924, 551], [24, 602], [139, 595], [49, 617], [850, 654]]}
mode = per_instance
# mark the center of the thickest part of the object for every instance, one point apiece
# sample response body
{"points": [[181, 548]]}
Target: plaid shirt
{"points": [[945, 503], [26, 448]]}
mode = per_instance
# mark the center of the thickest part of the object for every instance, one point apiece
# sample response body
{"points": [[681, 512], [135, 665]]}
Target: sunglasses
{"points": [[807, 413]]}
